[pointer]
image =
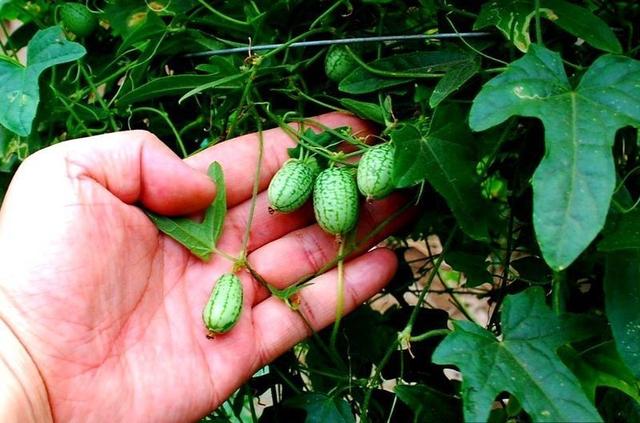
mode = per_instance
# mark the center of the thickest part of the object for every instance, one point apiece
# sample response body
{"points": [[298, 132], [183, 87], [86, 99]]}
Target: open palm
{"points": [[110, 310]]}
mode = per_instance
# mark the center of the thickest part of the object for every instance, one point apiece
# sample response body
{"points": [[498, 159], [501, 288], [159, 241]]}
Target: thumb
{"points": [[136, 167]]}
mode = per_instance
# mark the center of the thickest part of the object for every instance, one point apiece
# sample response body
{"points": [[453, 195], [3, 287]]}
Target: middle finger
{"points": [[307, 251]]}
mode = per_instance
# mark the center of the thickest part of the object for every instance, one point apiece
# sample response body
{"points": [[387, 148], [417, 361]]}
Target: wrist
{"points": [[23, 394]]}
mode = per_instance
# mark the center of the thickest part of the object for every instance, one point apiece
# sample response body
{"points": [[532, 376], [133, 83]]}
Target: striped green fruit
{"points": [[292, 185], [338, 63], [375, 172], [225, 304], [335, 200], [78, 19]]}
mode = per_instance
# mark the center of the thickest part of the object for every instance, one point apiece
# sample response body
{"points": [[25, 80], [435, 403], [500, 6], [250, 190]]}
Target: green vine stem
{"points": [[243, 99], [98, 97], [228, 19], [391, 74], [429, 334], [302, 139], [165, 117], [406, 332], [69, 108], [224, 254], [459, 304], [538, 23], [256, 188], [558, 287], [504, 279], [326, 13], [9, 42], [302, 94], [427, 286], [472, 48]]}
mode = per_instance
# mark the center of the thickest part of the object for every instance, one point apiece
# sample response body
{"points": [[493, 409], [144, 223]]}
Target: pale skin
{"points": [[100, 314]]}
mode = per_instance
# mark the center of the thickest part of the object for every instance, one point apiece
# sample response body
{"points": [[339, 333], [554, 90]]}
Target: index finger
{"points": [[239, 156]]}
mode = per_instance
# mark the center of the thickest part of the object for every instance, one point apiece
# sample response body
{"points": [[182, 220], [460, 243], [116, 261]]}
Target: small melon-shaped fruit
{"points": [[338, 63], [225, 304], [335, 200], [375, 172], [78, 19], [292, 185]]}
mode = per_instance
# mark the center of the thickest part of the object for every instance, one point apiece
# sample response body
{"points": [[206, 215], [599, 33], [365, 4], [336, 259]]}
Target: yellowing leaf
{"points": [[513, 19]]}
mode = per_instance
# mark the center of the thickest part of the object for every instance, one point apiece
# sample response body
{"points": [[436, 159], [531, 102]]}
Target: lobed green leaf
{"points": [[522, 362], [443, 155], [622, 296], [574, 182], [19, 84]]}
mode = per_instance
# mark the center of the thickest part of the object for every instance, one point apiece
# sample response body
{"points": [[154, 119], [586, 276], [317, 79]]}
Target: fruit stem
{"points": [[224, 254], [98, 97], [256, 187], [429, 334], [340, 293]]}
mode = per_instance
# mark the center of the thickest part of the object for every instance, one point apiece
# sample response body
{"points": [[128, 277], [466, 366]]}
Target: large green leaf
{"points": [[19, 90], [453, 80], [474, 266], [428, 404], [574, 182], [622, 231], [444, 154], [322, 408], [622, 298], [513, 19], [583, 24], [216, 69], [600, 366], [369, 111], [617, 407], [4, 3], [169, 85], [522, 362]]}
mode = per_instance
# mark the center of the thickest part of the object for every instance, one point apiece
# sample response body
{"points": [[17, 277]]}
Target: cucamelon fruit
{"points": [[335, 200], [78, 19], [338, 63], [292, 185], [375, 172], [225, 304]]}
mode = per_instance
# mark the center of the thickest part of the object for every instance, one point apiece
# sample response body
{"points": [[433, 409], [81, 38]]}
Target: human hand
{"points": [[107, 311]]}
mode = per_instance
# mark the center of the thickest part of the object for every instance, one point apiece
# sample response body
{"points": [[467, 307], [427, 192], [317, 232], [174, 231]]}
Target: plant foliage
{"points": [[518, 287]]}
